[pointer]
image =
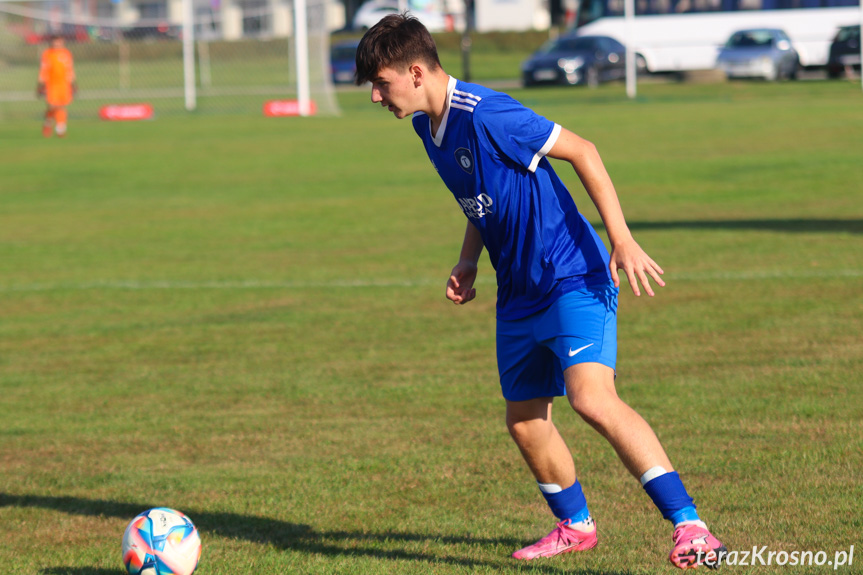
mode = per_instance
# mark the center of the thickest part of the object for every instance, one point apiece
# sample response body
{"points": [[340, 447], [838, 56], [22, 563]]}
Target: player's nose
{"points": [[376, 96]]}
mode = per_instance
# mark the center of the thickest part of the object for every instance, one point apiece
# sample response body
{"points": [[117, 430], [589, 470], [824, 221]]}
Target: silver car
{"points": [[761, 53]]}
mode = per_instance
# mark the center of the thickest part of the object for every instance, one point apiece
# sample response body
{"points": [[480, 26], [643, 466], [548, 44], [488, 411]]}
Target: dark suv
{"points": [[844, 51]]}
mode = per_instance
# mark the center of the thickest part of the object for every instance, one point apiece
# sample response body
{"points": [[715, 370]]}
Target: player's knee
{"points": [[525, 432], [515, 427], [595, 409]]}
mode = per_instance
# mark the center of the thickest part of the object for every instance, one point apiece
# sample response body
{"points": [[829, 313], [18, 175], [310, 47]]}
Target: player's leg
{"points": [[57, 96], [60, 116], [530, 378], [531, 427], [581, 330], [549, 459], [48, 122], [591, 392]]}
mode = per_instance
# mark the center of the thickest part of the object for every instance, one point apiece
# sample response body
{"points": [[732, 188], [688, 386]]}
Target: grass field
{"points": [[244, 319]]}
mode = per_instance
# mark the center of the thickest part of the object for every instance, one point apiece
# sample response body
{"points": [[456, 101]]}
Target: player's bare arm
{"points": [[459, 287], [626, 254]]}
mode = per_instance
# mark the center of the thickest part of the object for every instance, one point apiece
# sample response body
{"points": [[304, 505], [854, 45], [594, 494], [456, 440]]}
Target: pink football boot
{"points": [[694, 546], [562, 539]]}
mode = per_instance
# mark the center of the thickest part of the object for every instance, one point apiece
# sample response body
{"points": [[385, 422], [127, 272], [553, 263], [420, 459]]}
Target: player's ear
{"points": [[417, 73]]}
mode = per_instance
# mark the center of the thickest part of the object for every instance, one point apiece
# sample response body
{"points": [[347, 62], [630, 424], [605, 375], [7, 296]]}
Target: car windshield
{"points": [[848, 33], [567, 45], [750, 38], [344, 53]]}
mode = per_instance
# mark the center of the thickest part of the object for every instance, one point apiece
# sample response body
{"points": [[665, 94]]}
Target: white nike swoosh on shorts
{"points": [[573, 352]]}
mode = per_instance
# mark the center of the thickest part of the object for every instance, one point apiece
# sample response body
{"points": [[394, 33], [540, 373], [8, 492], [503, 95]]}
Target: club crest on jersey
{"points": [[464, 159]]}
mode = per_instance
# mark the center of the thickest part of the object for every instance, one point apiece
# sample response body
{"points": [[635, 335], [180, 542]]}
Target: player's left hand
{"points": [[636, 264], [459, 287]]}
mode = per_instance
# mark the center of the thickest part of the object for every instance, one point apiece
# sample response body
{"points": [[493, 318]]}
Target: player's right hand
{"points": [[459, 287], [40, 90]]}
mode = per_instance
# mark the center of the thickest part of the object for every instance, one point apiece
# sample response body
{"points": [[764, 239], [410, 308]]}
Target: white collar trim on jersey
{"points": [[438, 138]]}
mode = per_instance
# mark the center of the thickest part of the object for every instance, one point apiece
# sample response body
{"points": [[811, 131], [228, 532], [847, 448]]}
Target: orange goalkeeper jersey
{"points": [[57, 72]]}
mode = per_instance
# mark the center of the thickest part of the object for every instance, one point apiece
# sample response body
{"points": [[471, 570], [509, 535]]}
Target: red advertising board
{"points": [[275, 108], [126, 112]]}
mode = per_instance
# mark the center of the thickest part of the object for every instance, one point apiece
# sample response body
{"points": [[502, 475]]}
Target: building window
{"points": [[256, 17]]}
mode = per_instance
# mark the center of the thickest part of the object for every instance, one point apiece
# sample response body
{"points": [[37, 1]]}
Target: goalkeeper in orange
{"points": [[57, 85]]}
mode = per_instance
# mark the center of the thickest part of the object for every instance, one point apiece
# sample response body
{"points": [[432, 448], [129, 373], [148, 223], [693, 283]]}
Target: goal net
{"points": [[244, 54]]}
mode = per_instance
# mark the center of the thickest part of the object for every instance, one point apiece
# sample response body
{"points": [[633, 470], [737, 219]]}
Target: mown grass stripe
{"points": [[730, 276]]}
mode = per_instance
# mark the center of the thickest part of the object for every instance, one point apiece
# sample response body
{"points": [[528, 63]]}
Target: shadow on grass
{"points": [[79, 571], [789, 226], [295, 537]]}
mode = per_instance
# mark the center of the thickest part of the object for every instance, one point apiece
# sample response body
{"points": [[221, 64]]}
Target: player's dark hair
{"points": [[397, 40]]}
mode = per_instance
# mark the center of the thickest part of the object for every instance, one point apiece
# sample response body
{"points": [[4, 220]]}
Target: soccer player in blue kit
{"points": [[557, 284]]}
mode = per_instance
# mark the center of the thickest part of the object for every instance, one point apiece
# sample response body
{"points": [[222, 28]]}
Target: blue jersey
{"points": [[490, 152]]}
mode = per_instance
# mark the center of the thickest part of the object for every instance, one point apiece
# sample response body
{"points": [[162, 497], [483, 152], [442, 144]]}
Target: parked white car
{"points": [[760, 53], [374, 10]]}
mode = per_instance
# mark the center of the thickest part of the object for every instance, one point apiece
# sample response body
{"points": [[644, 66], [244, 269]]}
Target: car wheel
{"points": [[641, 65], [793, 72]]}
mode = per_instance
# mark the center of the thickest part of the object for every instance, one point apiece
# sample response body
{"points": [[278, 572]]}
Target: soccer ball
{"points": [[161, 541]]}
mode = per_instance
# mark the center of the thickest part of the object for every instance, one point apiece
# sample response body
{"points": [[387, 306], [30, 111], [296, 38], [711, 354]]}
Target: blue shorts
{"points": [[533, 352]]}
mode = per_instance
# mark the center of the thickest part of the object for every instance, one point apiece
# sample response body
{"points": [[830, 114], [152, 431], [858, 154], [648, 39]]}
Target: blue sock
{"points": [[685, 514], [670, 497], [568, 503]]}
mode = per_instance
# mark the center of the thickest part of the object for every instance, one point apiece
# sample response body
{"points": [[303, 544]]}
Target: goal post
{"points": [[301, 43], [189, 87]]}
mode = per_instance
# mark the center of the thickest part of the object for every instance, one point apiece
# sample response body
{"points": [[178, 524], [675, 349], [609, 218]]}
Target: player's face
{"points": [[396, 91]]}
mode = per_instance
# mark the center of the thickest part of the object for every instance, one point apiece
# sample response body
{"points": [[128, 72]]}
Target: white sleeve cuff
{"points": [[546, 148]]}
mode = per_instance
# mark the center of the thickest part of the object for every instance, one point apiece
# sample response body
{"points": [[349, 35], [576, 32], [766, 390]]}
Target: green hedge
{"points": [[97, 51], [501, 42]]}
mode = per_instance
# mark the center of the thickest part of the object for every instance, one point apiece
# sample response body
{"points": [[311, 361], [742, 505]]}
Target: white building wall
{"points": [[232, 20], [126, 13], [283, 18], [501, 15], [175, 11], [335, 15]]}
